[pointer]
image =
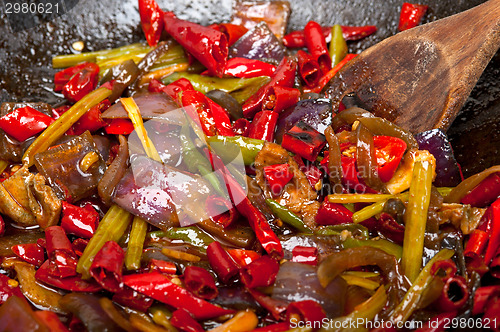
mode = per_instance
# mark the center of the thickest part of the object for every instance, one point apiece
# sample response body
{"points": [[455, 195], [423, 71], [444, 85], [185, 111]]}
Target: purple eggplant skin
{"points": [[259, 44], [315, 112], [447, 169]]}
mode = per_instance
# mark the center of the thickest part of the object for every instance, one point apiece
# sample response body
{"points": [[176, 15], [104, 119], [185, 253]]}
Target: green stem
{"points": [[416, 218], [382, 244], [136, 244], [111, 228]]}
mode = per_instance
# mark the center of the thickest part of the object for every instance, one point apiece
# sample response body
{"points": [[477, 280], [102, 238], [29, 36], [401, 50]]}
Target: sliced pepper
{"points": [[278, 98], [297, 38], [24, 122], [309, 70], [411, 15], [388, 151], [316, 44], [79, 221], [29, 252], [83, 82], [304, 140], [263, 126], [277, 176]]}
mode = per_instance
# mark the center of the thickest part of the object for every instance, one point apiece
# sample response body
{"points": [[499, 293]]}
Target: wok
{"points": [[26, 72]]}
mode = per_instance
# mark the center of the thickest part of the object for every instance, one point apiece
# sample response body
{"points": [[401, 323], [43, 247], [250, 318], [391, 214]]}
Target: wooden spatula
{"points": [[420, 78]]}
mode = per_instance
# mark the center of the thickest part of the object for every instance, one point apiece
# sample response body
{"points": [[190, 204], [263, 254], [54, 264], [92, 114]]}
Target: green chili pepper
{"points": [[63, 61], [208, 83], [191, 235], [212, 178], [338, 45], [190, 154], [387, 246], [111, 228], [337, 229], [287, 216], [136, 244], [410, 302], [416, 218], [249, 147]]}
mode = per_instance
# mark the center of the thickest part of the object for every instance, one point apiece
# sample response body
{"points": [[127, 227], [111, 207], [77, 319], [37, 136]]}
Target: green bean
{"points": [[338, 45], [136, 244], [287, 216], [111, 228], [416, 218], [385, 245], [410, 302], [53, 132], [249, 147]]}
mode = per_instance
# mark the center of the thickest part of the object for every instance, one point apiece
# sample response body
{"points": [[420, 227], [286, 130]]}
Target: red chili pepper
{"points": [[309, 70], [277, 176], [277, 308], [183, 321], [241, 127], [30, 252], [247, 68], [411, 15], [260, 273], [200, 282], [390, 228], [79, 221], [91, 120], [283, 76], [198, 101], [477, 243], [267, 238], [62, 77], [333, 214], [494, 242], [119, 127], [221, 211], [316, 44], [83, 82], [207, 45], [173, 89], [9, 288], [329, 75], [482, 295], [79, 246], [62, 258], [484, 193], [162, 266], [243, 257], [151, 20], [24, 122], [492, 314], [160, 288], [51, 320], [107, 266], [221, 118], [454, 295], [133, 299], [233, 32], [304, 140], [277, 327], [438, 323], [221, 262], [296, 39], [306, 255], [389, 151], [305, 311], [72, 283], [278, 98], [263, 126]]}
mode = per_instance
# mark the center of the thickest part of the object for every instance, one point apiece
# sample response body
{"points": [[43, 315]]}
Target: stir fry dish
{"points": [[201, 181]]}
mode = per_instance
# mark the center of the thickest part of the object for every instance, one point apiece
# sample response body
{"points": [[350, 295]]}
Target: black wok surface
{"points": [[26, 72]]}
